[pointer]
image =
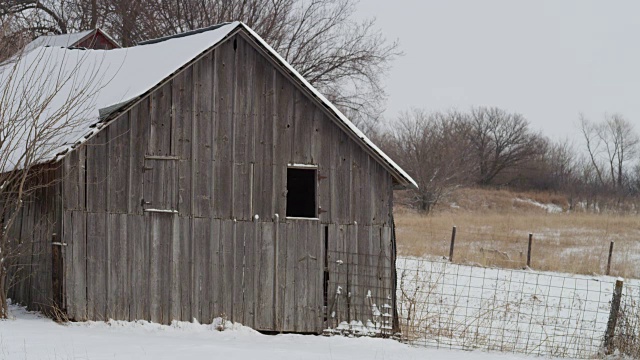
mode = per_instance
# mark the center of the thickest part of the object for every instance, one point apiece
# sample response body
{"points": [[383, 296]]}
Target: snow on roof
{"points": [[64, 40], [109, 79]]}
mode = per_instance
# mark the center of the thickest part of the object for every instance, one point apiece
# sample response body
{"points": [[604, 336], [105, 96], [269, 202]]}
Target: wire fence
{"points": [[626, 338], [573, 251], [445, 305]]}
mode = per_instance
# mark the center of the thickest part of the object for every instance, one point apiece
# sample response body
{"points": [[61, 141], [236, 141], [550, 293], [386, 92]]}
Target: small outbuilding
{"points": [[90, 39], [211, 179]]}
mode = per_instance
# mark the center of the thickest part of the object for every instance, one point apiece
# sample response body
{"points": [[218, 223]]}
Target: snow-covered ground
{"points": [[31, 336], [503, 309]]}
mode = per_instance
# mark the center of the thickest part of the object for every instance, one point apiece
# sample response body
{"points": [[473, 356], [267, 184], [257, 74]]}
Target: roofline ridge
{"points": [[186, 33]]}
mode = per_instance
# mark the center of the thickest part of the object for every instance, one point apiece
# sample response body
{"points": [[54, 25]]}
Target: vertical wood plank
{"points": [[241, 192], [137, 230], [243, 102], [118, 164], [67, 255], [70, 186], [266, 276], [227, 240], [301, 276], [97, 172], [224, 98], [249, 271], [175, 311], [203, 121], [290, 296], [202, 252], [96, 266], [214, 270], [186, 268], [303, 129], [240, 239], [263, 124], [284, 120], [139, 120], [80, 271], [119, 285], [183, 110], [160, 121]]}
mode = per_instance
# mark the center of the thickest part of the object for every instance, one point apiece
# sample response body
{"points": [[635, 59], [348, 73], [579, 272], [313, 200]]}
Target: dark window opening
{"points": [[301, 192]]}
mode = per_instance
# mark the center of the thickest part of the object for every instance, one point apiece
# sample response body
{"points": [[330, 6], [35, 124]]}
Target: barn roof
{"points": [[110, 80]]}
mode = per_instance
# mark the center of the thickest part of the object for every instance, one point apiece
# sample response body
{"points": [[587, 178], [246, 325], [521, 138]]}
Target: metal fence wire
{"points": [[626, 337], [445, 305]]}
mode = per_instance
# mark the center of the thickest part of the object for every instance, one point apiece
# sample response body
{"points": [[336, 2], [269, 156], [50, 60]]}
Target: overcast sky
{"points": [[549, 60]]}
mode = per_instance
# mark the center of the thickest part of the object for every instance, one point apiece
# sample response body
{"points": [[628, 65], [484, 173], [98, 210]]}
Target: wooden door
{"points": [[299, 276]]}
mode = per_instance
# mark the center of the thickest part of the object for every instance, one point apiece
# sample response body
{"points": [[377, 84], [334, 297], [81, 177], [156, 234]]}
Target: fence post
{"points": [[609, 261], [613, 317], [529, 250], [453, 241]]}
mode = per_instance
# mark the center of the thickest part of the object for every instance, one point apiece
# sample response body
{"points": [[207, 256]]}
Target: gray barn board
{"points": [[176, 208]]}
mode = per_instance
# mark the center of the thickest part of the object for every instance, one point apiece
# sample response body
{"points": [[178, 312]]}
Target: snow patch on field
{"points": [[550, 208]]}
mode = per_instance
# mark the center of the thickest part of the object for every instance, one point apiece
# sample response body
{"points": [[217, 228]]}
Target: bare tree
{"points": [[611, 145], [44, 95], [11, 39], [634, 181], [434, 149], [344, 58], [501, 141]]}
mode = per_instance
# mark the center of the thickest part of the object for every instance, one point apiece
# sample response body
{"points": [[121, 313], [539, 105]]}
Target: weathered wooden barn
{"points": [[216, 182]]}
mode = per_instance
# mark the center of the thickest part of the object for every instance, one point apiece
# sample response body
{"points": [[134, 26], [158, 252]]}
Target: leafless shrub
{"points": [[435, 149], [44, 96], [626, 340]]}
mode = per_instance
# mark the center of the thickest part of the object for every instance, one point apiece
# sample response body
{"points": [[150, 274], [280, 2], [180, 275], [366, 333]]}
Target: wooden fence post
{"points": [[453, 241], [529, 250], [609, 260], [613, 318]]}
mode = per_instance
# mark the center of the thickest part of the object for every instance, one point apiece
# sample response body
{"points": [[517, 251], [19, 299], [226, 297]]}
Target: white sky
{"points": [[549, 60]]}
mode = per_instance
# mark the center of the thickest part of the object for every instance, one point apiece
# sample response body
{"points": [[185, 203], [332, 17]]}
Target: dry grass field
{"points": [[493, 228]]}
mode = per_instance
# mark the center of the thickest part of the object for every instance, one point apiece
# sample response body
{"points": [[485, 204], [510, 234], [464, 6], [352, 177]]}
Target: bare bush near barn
{"points": [[436, 150], [38, 108]]}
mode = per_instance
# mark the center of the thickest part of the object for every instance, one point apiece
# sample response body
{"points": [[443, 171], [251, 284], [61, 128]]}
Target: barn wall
{"points": [[38, 220], [171, 211]]}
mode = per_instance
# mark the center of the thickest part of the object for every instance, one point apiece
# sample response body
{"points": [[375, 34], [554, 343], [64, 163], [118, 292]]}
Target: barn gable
{"points": [[403, 180]]}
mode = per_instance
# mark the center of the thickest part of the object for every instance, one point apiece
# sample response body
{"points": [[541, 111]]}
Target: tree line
{"points": [[491, 147], [347, 60]]}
